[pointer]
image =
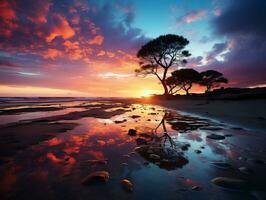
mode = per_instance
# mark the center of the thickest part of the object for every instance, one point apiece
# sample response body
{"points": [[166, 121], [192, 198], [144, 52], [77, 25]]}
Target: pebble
{"points": [[98, 176], [230, 183], [127, 185]]}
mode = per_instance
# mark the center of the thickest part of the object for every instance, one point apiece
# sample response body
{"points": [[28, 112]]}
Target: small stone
{"points": [[98, 176], [126, 156], [135, 116], [125, 164], [141, 141], [230, 183], [127, 185], [223, 165], [146, 163], [245, 170], [216, 137], [198, 151], [132, 132], [228, 135], [154, 157], [196, 187], [185, 147]]}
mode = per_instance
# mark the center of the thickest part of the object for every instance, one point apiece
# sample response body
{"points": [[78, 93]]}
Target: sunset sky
{"points": [[88, 47]]}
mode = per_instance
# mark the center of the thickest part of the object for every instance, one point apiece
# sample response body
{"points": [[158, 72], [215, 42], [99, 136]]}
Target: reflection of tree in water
{"points": [[161, 150]]}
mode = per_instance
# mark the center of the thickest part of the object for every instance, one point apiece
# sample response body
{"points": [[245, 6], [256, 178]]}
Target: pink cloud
{"points": [[61, 28], [217, 12], [97, 40], [194, 16]]}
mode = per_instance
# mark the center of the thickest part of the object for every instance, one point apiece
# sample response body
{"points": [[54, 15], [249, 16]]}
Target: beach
{"points": [[118, 147], [245, 113]]}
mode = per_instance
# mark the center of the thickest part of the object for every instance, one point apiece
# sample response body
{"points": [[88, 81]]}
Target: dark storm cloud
{"points": [[244, 25]]}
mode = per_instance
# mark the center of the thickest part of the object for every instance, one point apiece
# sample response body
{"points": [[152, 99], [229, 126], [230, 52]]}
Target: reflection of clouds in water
{"points": [[100, 139]]}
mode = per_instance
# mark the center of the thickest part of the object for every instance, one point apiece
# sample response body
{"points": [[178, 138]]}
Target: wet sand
{"points": [[249, 114], [126, 150]]}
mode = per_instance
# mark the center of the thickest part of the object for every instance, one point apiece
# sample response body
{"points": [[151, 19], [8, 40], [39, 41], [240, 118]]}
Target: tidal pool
{"points": [[168, 155]]}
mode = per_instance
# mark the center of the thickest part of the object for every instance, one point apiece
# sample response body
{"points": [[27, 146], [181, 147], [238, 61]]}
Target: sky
{"points": [[88, 47]]}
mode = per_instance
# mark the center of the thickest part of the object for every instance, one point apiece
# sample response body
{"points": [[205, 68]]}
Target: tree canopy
{"points": [[212, 79], [183, 79], [161, 53]]}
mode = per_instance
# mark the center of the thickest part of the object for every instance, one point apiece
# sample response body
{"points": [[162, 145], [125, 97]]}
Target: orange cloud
{"points": [[52, 53], [97, 40], [61, 28], [71, 45]]}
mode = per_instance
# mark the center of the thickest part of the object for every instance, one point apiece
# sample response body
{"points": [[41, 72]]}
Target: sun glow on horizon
{"points": [[147, 93]]}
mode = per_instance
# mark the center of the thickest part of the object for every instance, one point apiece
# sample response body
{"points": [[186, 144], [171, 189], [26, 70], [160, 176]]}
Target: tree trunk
{"points": [[165, 88], [166, 92]]}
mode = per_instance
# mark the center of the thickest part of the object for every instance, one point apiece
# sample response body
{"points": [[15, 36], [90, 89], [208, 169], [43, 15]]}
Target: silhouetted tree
{"points": [[183, 79], [173, 85], [158, 55], [212, 79]]}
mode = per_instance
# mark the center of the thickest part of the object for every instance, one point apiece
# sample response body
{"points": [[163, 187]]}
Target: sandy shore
{"points": [[250, 114]]}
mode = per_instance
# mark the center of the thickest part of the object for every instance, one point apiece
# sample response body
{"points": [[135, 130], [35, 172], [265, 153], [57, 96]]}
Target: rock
{"points": [[120, 121], [198, 151], [230, 183], [126, 156], [141, 141], [237, 128], [148, 120], [127, 185], [146, 163], [98, 176], [216, 137], [185, 147], [245, 170], [132, 132], [228, 135], [154, 157], [211, 128], [135, 116], [140, 148], [103, 162], [124, 164], [223, 165], [196, 187]]}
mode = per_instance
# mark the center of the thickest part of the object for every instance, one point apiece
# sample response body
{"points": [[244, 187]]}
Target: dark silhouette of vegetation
{"points": [[183, 79], [212, 79], [160, 54]]}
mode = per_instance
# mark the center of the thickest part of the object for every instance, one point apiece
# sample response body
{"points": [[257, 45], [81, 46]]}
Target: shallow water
{"points": [[54, 169]]}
